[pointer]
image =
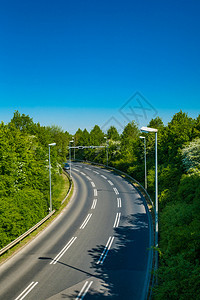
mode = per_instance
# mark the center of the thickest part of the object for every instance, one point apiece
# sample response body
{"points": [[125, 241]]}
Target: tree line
{"points": [[24, 192]]}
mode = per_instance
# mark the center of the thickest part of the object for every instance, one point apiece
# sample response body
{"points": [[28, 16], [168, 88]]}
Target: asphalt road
{"points": [[97, 248]]}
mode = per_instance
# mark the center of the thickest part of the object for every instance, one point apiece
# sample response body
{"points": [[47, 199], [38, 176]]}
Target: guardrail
{"points": [[25, 234]]}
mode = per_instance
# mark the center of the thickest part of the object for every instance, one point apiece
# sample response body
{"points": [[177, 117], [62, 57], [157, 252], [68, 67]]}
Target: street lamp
{"points": [[52, 144], [70, 159], [150, 130], [106, 149], [145, 162]]}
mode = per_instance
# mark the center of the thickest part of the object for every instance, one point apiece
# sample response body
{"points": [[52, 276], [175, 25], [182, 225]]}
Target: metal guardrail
{"points": [[25, 234]]}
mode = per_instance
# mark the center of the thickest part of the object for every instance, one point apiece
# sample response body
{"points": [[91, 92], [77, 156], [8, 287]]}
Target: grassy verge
{"points": [[60, 193]]}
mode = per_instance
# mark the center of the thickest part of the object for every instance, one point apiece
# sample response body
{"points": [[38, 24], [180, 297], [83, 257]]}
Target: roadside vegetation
{"points": [[24, 184]]}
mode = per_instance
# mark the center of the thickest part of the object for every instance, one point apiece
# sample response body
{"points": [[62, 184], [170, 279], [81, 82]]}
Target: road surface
{"points": [[97, 248]]}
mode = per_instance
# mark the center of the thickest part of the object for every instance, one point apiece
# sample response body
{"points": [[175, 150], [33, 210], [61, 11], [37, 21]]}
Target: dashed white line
{"points": [[96, 172], [88, 178], [119, 202], [103, 176], [95, 192], [88, 169], [117, 219], [86, 221], [83, 173], [76, 170], [110, 182], [94, 203], [105, 251], [60, 254], [116, 191], [92, 183], [84, 290], [27, 291]]}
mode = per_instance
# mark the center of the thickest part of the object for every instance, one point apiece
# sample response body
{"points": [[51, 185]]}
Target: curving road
{"points": [[97, 248]]}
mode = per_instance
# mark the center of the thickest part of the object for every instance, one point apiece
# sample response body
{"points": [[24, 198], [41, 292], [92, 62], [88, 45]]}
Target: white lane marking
{"points": [[110, 182], [76, 170], [88, 178], [61, 253], [27, 290], [86, 221], [105, 251], [119, 202], [117, 219], [88, 169], [103, 176], [95, 192], [116, 191], [85, 287], [83, 173], [96, 172], [94, 203], [92, 183]]}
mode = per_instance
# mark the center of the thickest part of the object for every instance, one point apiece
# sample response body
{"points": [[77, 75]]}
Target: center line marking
{"points": [[103, 176], [95, 192], [62, 252], [86, 221], [119, 202], [92, 183], [84, 290], [110, 182], [105, 251], [96, 172], [117, 219], [27, 291], [116, 191], [94, 203]]}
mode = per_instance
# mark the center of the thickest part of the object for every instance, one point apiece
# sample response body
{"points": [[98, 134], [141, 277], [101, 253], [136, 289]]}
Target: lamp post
{"points": [[52, 144], [106, 149], [145, 162], [150, 130], [70, 163]]}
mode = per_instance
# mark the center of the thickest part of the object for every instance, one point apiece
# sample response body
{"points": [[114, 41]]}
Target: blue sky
{"points": [[78, 63]]}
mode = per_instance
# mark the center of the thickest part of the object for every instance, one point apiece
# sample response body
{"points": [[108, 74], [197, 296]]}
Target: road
{"points": [[97, 248]]}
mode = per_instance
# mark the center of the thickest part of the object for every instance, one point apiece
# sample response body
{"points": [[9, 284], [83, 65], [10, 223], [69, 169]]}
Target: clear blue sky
{"points": [[78, 63]]}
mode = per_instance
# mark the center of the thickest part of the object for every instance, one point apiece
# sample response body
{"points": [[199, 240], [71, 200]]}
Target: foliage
{"points": [[24, 184], [24, 173]]}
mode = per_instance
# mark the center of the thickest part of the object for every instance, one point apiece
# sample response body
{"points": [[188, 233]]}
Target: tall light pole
{"points": [[70, 162], [52, 144], [74, 147], [106, 149], [145, 162], [150, 130]]}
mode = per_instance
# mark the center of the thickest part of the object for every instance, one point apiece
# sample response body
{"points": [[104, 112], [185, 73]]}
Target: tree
{"points": [[96, 136], [112, 134]]}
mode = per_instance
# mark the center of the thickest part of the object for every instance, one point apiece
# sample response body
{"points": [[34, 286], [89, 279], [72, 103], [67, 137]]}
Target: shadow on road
{"points": [[122, 275]]}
